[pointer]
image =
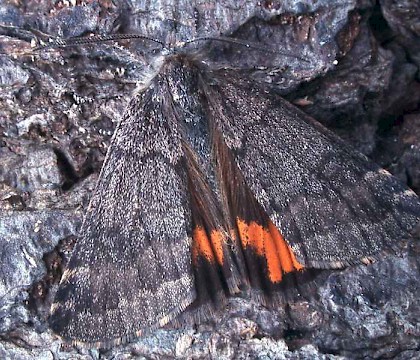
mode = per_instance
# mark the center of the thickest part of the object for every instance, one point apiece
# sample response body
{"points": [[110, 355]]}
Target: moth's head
{"points": [[174, 46], [174, 54], [142, 56]]}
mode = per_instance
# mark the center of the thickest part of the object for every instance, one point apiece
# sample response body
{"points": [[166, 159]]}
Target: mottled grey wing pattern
{"points": [[333, 206], [199, 168], [131, 268]]}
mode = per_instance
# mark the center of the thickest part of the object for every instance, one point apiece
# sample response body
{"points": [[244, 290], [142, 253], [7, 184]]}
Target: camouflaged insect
{"points": [[212, 184]]}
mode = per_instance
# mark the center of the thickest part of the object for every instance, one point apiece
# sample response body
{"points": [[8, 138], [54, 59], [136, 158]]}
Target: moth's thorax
{"points": [[181, 76]]}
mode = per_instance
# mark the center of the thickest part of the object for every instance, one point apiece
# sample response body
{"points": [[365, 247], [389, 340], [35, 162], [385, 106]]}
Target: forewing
{"points": [[332, 205], [131, 268]]}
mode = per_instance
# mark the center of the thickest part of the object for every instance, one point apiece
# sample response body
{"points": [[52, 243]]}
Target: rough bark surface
{"points": [[58, 111]]}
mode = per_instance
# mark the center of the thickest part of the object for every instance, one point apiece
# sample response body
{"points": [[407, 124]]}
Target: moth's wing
{"points": [[131, 268], [332, 205]]}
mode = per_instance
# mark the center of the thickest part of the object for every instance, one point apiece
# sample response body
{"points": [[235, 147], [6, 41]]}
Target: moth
{"points": [[213, 184]]}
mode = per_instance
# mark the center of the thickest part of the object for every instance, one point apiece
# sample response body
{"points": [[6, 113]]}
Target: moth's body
{"points": [[182, 87], [211, 184]]}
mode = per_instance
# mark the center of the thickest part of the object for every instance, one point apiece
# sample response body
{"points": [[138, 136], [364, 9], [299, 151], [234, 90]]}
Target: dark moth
{"points": [[212, 184]]}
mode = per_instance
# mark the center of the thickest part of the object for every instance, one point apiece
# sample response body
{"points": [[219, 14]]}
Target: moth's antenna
{"points": [[58, 43], [247, 44]]}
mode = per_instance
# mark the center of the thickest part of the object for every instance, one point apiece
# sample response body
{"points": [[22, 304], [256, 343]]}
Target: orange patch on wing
{"points": [[287, 258], [270, 244], [217, 240], [251, 235], [209, 248]]}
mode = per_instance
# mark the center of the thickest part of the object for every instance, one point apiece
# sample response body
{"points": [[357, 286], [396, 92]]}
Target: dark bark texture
{"points": [[58, 111]]}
